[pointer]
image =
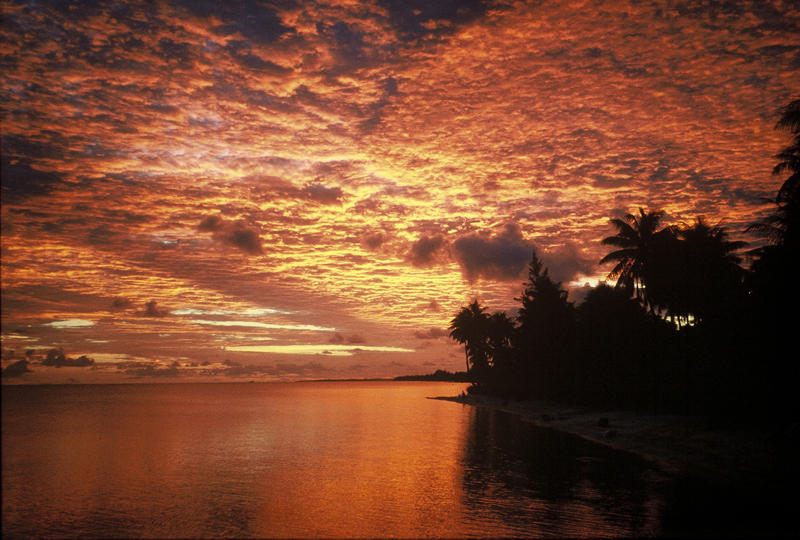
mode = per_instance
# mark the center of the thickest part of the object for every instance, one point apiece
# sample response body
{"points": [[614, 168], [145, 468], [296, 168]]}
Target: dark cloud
{"points": [[49, 145], [57, 358], [119, 304], [503, 257], [20, 181], [17, 369], [373, 241], [241, 53], [565, 263], [258, 23], [243, 238], [432, 333], [101, 235], [255, 62], [347, 43], [211, 224], [424, 252], [414, 19], [338, 339], [249, 370], [176, 51], [152, 310], [144, 369], [324, 194], [236, 234]]}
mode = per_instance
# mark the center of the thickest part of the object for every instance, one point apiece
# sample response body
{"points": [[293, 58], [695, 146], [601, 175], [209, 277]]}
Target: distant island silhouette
{"points": [[439, 375]]}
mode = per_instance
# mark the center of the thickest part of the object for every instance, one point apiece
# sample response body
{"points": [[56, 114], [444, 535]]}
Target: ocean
{"points": [[305, 459]]}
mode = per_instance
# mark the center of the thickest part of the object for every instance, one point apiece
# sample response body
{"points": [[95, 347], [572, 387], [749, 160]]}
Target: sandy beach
{"points": [[677, 445]]}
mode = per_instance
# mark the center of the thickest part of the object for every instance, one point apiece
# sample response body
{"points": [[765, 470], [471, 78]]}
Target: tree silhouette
{"points": [[500, 331], [790, 156], [615, 342], [545, 320], [781, 228], [470, 328], [639, 239], [711, 275]]}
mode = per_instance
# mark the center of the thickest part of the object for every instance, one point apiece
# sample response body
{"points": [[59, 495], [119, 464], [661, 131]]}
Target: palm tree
{"points": [[711, 271], [639, 240], [501, 330], [790, 156], [470, 327], [782, 228], [773, 273]]}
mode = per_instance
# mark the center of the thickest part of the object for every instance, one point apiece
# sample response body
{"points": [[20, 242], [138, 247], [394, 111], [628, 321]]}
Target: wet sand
{"points": [[677, 445], [719, 478]]}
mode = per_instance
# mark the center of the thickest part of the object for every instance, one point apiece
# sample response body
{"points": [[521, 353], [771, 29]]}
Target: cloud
{"points": [[57, 358], [424, 252], [114, 184], [151, 309], [236, 234], [17, 369], [311, 349], [373, 241], [432, 333], [21, 181], [323, 194], [71, 323], [211, 224], [145, 369], [338, 338], [417, 19], [249, 370], [244, 238], [565, 263], [261, 25], [119, 304], [503, 257], [268, 326]]}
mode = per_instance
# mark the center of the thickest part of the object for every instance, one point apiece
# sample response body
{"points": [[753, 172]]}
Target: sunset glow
{"points": [[209, 190]]}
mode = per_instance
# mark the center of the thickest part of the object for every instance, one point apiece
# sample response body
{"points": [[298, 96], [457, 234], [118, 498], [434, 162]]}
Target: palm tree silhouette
{"points": [[790, 156], [711, 268], [781, 227], [470, 327], [500, 331], [639, 239]]}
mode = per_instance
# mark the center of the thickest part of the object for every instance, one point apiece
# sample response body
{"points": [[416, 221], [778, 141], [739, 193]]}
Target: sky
{"points": [[207, 191]]}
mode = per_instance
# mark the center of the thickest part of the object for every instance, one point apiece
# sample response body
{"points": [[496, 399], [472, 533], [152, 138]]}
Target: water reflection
{"points": [[527, 480], [367, 459]]}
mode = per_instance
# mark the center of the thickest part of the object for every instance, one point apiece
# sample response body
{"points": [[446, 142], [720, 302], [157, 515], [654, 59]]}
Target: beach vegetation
{"points": [[687, 327]]}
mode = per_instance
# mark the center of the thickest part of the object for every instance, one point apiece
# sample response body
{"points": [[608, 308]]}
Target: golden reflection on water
{"points": [[341, 459]]}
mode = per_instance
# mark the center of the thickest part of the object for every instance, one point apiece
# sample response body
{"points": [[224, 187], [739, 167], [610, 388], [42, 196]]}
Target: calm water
{"points": [[338, 459]]}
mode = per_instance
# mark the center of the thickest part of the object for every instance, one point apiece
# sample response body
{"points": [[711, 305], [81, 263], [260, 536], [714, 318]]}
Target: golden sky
{"points": [[213, 190]]}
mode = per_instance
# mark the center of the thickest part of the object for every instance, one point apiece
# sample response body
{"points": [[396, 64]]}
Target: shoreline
{"points": [[678, 446]]}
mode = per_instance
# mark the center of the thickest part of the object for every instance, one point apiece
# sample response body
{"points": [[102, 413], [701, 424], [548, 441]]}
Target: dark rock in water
{"points": [[602, 422]]}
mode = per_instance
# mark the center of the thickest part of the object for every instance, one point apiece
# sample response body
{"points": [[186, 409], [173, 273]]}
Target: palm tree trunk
{"points": [[466, 358]]}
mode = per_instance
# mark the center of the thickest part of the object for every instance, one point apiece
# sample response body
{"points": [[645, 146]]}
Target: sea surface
{"points": [[314, 459]]}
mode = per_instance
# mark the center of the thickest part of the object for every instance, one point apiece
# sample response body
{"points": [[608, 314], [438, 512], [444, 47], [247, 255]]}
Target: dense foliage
{"points": [[686, 328]]}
